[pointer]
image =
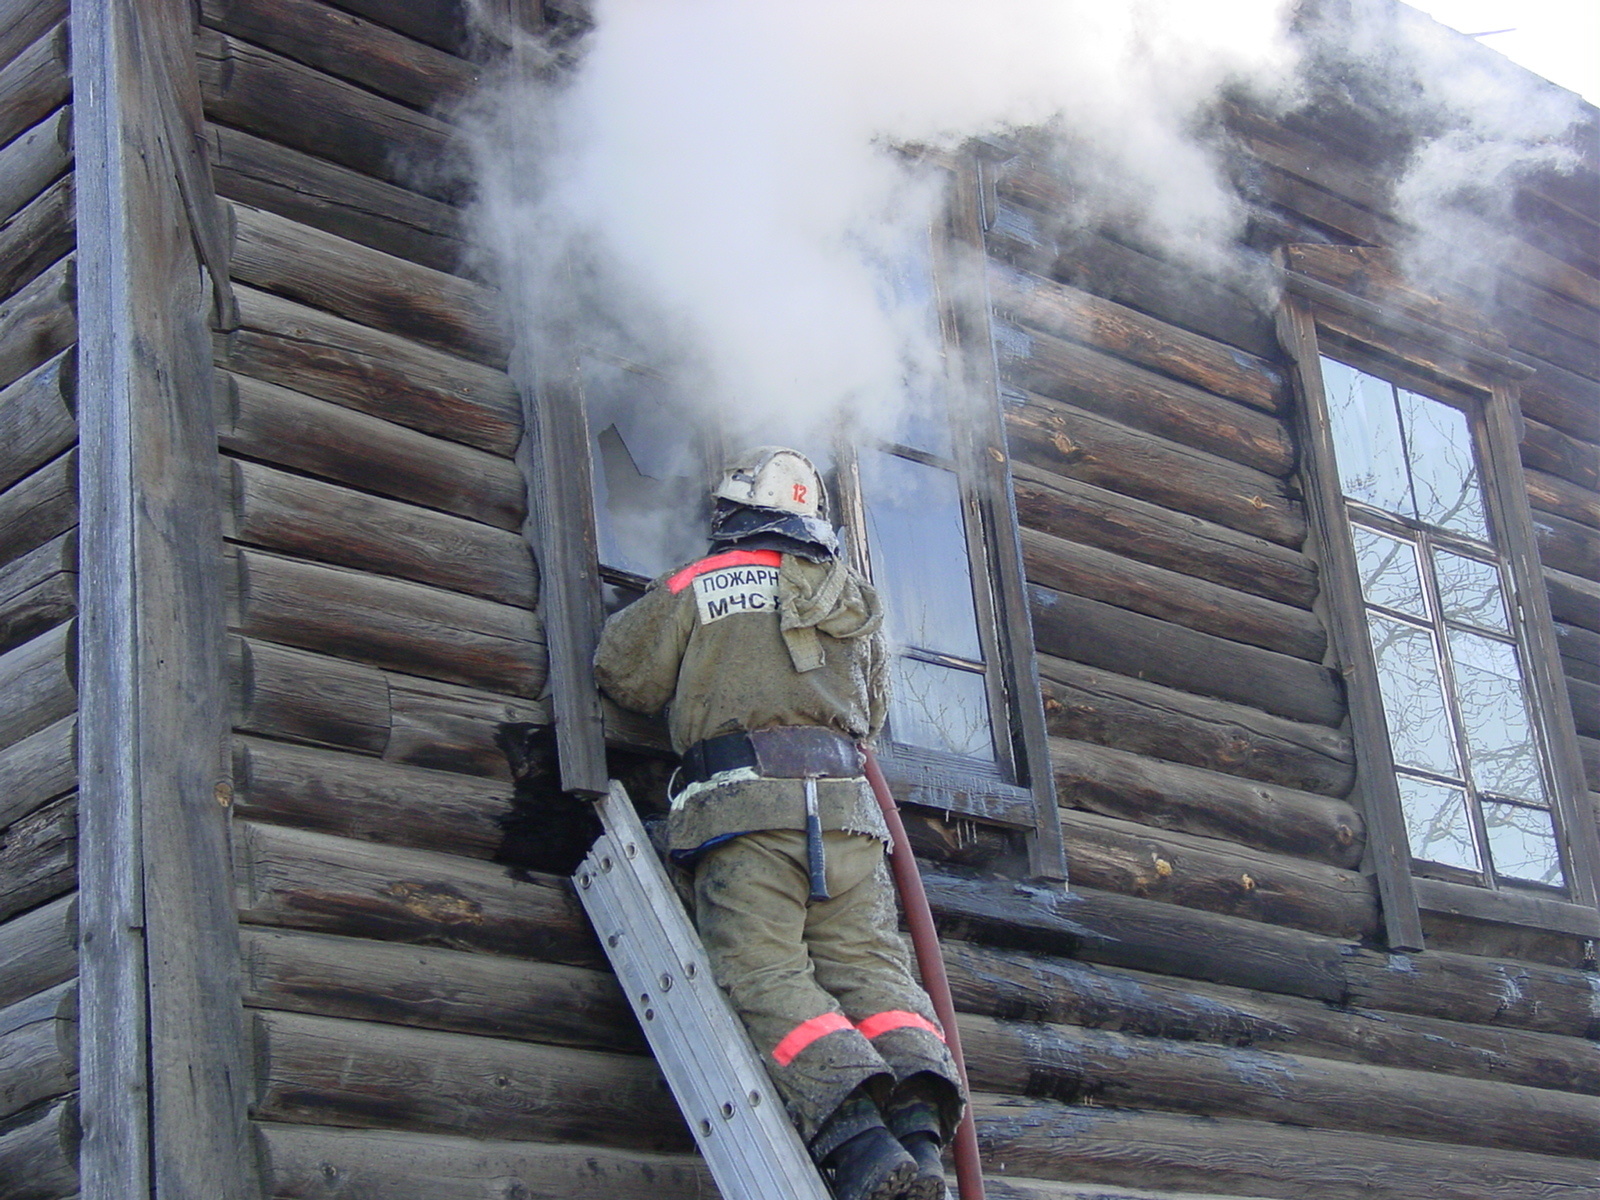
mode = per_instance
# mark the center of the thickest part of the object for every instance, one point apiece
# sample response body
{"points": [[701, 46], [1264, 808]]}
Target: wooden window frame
{"points": [[562, 528], [1430, 349]]}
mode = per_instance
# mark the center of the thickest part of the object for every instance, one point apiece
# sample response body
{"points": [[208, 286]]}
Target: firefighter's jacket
{"points": [[747, 640]]}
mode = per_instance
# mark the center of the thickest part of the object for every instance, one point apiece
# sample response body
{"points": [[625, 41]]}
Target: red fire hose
{"points": [[925, 941]]}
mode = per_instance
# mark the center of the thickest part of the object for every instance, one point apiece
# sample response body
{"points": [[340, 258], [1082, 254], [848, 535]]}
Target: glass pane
{"points": [[1522, 843], [1389, 572], [919, 554], [1444, 469], [908, 297], [1366, 438], [1413, 695], [1494, 713], [1469, 591], [649, 493], [1437, 824], [940, 708]]}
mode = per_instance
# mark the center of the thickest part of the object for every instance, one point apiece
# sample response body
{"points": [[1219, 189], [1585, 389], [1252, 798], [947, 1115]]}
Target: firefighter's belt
{"points": [[784, 752]]}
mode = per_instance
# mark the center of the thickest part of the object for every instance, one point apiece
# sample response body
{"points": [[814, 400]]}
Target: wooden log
{"points": [[1560, 398], [414, 1166], [1552, 494], [373, 372], [39, 1155], [1190, 1154], [1546, 448], [37, 769], [33, 160], [1580, 652], [449, 728], [39, 507], [335, 199], [314, 698], [36, 419], [1022, 986], [39, 590], [1122, 1071], [1095, 516], [296, 515], [1113, 639], [1567, 546], [370, 287], [1585, 698], [36, 236], [1054, 308], [34, 83], [38, 322], [326, 1071], [271, 96], [404, 627], [1574, 601], [39, 856], [428, 988], [39, 949], [1199, 873], [1589, 751], [23, 21], [1111, 387], [1057, 438], [1171, 596], [1028, 233], [347, 46], [444, 25], [36, 684], [1185, 799], [294, 879], [356, 797], [265, 421], [1106, 709], [38, 1048]]}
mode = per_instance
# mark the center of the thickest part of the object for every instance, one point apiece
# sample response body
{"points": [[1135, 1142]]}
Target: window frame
{"points": [[563, 528], [1456, 358]]}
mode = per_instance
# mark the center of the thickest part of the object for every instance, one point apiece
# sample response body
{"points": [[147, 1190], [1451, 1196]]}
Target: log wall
{"points": [[38, 606]]}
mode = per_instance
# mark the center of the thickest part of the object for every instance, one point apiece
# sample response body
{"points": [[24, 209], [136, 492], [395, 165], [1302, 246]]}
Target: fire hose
{"points": [[930, 961]]}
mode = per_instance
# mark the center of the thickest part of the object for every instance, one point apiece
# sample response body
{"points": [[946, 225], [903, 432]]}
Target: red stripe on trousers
{"points": [[896, 1019], [803, 1034]]}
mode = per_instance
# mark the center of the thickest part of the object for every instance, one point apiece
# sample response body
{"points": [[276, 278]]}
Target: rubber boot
{"points": [[861, 1159], [914, 1121]]}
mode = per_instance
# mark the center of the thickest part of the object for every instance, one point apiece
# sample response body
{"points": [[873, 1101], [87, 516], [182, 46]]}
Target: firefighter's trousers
{"points": [[825, 988]]}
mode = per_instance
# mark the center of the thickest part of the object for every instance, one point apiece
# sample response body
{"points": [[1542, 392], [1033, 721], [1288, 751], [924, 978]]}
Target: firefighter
{"points": [[769, 657]]}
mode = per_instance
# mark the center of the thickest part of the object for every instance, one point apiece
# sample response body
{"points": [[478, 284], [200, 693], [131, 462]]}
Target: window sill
{"points": [[1508, 907]]}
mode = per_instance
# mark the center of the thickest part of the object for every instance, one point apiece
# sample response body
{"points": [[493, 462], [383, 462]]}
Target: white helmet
{"points": [[773, 477]]}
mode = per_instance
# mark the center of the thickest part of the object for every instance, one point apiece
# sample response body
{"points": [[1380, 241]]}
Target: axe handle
{"points": [[930, 961]]}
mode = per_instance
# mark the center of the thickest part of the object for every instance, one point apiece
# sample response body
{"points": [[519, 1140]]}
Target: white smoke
{"points": [[718, 187]]}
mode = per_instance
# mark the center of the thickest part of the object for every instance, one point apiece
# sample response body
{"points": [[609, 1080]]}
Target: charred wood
{"points": [[268, 95], [1200, 873], [35, 82], [34, 160], [1090, 705], [388, 623], [265, 421], [39, 856], [449, 990], [294, 879], [1096, 382], [1127, 643], [1115, 783], [39, 949], [323, 195], [1132, 528], [296, 515], [448, 728], [346, 46], [1054, 308], [1049, 1140], [37, 687], [38, 322], [372, 372], [38, 768], [413, 1166], [1058, 438], [1196, 604], [38, 1048], [369, 287]]}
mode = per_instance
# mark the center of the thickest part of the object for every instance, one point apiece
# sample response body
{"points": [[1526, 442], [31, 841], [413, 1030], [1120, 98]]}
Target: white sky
{"points": [[1559, 39]]}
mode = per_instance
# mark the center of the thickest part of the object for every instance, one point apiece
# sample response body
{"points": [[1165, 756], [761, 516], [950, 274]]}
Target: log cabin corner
{"points": [[289, 560]]}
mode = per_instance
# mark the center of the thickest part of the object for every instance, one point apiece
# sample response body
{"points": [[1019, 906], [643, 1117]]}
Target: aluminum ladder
{"points": [[700, 1044]]}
